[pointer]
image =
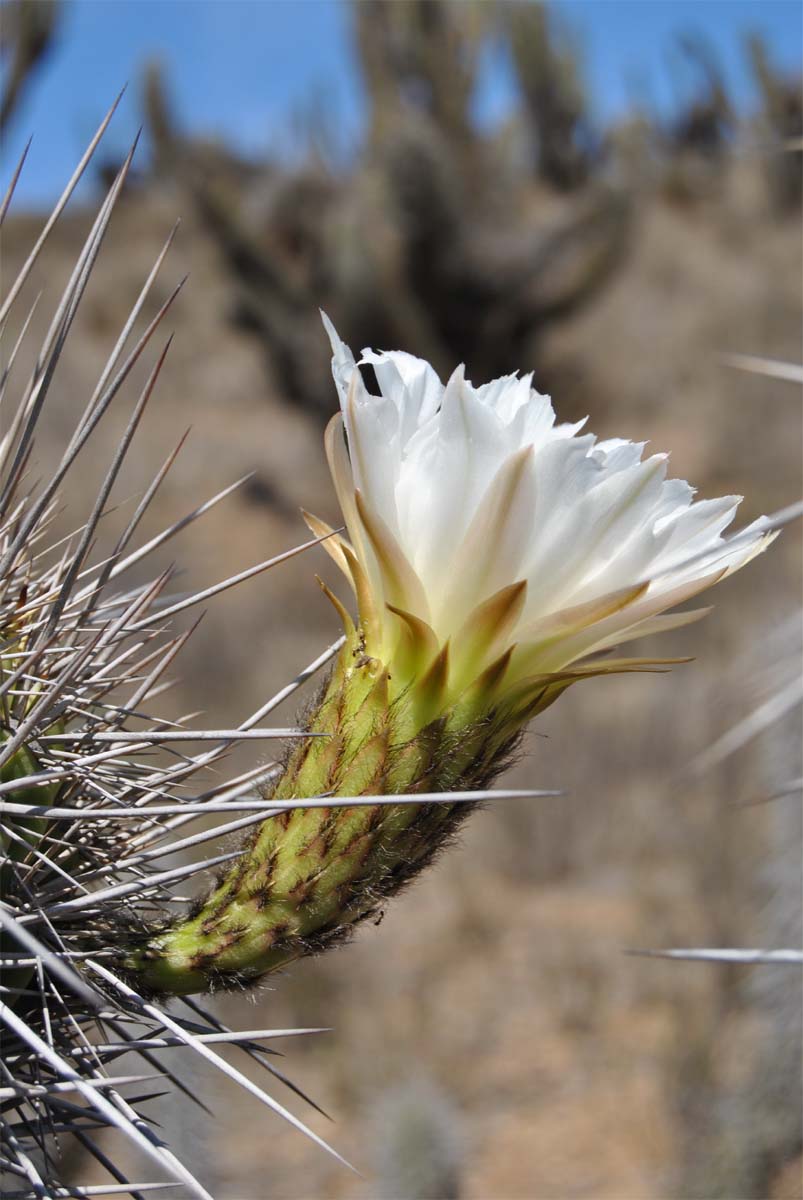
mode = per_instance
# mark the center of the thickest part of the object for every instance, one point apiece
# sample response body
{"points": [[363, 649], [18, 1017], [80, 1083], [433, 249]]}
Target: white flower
{"points": [[475, 522]]}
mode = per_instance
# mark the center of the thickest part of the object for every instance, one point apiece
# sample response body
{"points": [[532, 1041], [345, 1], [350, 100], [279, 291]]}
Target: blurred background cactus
{"points": [[27, 33], [620, 256], [419, 1143], [437, 238], [548, 65], [779, 126]]}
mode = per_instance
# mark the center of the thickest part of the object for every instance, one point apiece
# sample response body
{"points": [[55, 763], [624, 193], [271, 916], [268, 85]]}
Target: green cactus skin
{"points": [[307, 876], [29, 830], [20, 766]]}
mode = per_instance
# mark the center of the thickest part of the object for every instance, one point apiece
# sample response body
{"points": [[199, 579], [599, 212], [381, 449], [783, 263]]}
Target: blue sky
{"points": [[247, 69]]}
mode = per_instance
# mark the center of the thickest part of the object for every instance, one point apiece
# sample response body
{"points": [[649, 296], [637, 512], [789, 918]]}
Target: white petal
{"points": [[608, 631], [445, 472], [372, 426], [491, 555], [594, 551], [410, 383], [343, 363], [615, 454], [699, 525]]}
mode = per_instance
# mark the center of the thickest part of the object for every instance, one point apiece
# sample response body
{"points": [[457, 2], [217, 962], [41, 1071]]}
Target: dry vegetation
{"points": [[496, 996]]}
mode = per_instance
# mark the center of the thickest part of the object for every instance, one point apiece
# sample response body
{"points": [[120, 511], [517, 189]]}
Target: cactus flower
{"points": [[480, 529], [491, 552]]}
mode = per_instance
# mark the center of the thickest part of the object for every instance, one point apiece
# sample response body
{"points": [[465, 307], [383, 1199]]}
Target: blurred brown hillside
{"points": [[493, 1031]]}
